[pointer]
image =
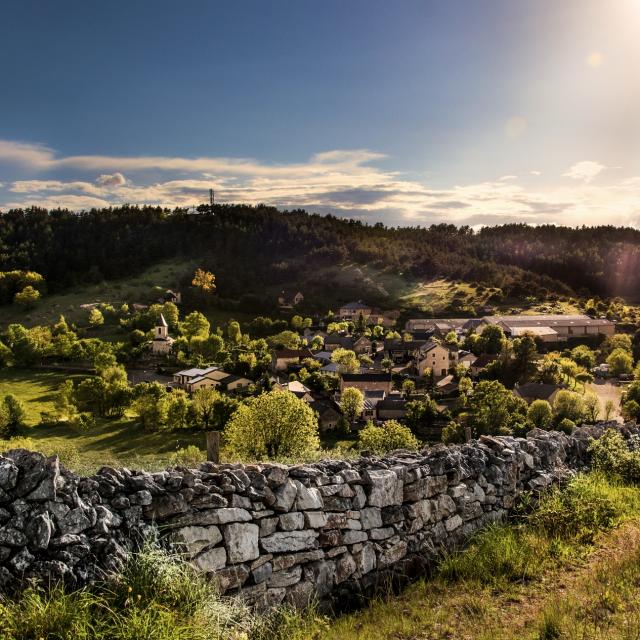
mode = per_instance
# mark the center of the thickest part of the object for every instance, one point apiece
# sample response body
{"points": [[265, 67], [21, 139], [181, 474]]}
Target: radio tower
{"points": [[211, 197]]}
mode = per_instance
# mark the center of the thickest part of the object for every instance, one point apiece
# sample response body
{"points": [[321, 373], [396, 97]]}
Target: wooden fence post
{"points": [[213, 446], [467, 434]]}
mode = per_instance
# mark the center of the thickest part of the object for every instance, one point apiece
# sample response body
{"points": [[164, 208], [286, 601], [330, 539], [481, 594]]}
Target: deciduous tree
{"points": [[274, 425]]}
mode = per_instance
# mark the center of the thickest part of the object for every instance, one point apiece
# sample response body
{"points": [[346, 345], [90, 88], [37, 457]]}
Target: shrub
{"points": [[453, 433], [539, 414], [96, 318], [190, 456], [578, 511], [274, 425], [568, 404], [611, 455], [389, 436], [27, 298], [12, 416], [566, 426]]}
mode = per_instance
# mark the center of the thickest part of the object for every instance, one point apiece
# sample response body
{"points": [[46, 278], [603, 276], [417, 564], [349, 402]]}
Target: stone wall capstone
{"points": [[269, 532]]}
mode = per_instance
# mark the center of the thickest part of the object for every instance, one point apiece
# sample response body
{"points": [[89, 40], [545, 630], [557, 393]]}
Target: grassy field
{"points": [[135, 289], [110, 442], [437, 295]]}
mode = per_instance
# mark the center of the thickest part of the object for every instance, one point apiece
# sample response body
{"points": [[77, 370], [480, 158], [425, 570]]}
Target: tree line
{"points": [[252, 248]]}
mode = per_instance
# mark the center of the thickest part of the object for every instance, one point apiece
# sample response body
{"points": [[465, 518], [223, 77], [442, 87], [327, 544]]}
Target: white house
{"points": [[162, 341], [196, 378]]}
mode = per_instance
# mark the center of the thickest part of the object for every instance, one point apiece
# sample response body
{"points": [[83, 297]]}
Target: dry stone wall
{"points": [[273, 533]]}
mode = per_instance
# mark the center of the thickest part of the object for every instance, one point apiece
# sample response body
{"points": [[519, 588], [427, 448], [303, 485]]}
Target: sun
{"points": [[595, 59]]}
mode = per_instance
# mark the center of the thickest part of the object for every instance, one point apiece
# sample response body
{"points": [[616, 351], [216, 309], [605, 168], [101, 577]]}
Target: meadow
{"points": [[110, 442]]}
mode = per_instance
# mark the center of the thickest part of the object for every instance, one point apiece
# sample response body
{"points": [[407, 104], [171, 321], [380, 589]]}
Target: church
{"points": [[162, 341]]}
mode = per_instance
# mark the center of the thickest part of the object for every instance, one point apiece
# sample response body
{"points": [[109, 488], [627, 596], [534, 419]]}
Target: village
{"points": [[160, 365], [399, 371]]}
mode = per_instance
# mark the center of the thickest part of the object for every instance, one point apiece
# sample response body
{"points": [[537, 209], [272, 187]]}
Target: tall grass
{"points": [[155, 597], [557, 528]]}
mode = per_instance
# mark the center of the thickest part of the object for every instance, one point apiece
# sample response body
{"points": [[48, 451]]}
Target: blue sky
{"points": [[468, 111]]}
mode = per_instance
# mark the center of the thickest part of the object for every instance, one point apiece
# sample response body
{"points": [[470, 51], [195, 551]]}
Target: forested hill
{"points": [[252, 249]]}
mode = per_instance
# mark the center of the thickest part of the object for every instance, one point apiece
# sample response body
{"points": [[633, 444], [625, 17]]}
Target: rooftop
{"points": [[366, 377]]}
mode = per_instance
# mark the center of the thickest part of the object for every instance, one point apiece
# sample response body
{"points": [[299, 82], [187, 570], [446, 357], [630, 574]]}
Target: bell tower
{"points": [[162, 329]]}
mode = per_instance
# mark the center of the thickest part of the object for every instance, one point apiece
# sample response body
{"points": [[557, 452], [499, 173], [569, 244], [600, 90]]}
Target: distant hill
{"points": [[256, 251]]}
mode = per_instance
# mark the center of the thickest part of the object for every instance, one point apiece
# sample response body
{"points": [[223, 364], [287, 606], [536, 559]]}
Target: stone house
{"points": [[162, 342], [401, 351], [371, 400], [289, 298], [362, 345], [436, 357], [328, 412], [336, 340], [282, 359], [172, 296], [481, 363], [193, 379], [298, 389], [466, 358], [393, 407], [366, 381], [353, 310]]}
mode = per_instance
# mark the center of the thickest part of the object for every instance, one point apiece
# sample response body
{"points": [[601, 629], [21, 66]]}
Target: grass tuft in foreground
{"points": [[155, 597]]}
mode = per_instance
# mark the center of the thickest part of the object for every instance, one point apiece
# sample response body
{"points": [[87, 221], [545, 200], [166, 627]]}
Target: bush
{"points": [[566, 426], [453, 433], [12, 416], [389, 436], [611, 455], [577, 512], [568, 404], [540, 414], [27, 298], [190, 457]]}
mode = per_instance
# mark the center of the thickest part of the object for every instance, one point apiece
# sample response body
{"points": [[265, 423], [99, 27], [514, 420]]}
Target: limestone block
{"points": [[241, 540]]}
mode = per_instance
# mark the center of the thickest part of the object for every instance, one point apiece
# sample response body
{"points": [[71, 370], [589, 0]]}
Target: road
{"points": [[607, 390]]}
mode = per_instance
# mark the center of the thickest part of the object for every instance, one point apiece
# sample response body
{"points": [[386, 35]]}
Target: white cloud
{"points": [[111, 180], [342, 182], [36, 156], [585, 170]]}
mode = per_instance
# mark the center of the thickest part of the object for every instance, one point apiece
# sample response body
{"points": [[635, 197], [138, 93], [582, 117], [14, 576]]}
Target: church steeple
{"points": [[162, 328]]}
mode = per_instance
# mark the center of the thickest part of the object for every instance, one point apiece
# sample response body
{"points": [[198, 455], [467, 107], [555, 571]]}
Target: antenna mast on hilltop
{"points": [[211, 197]]}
